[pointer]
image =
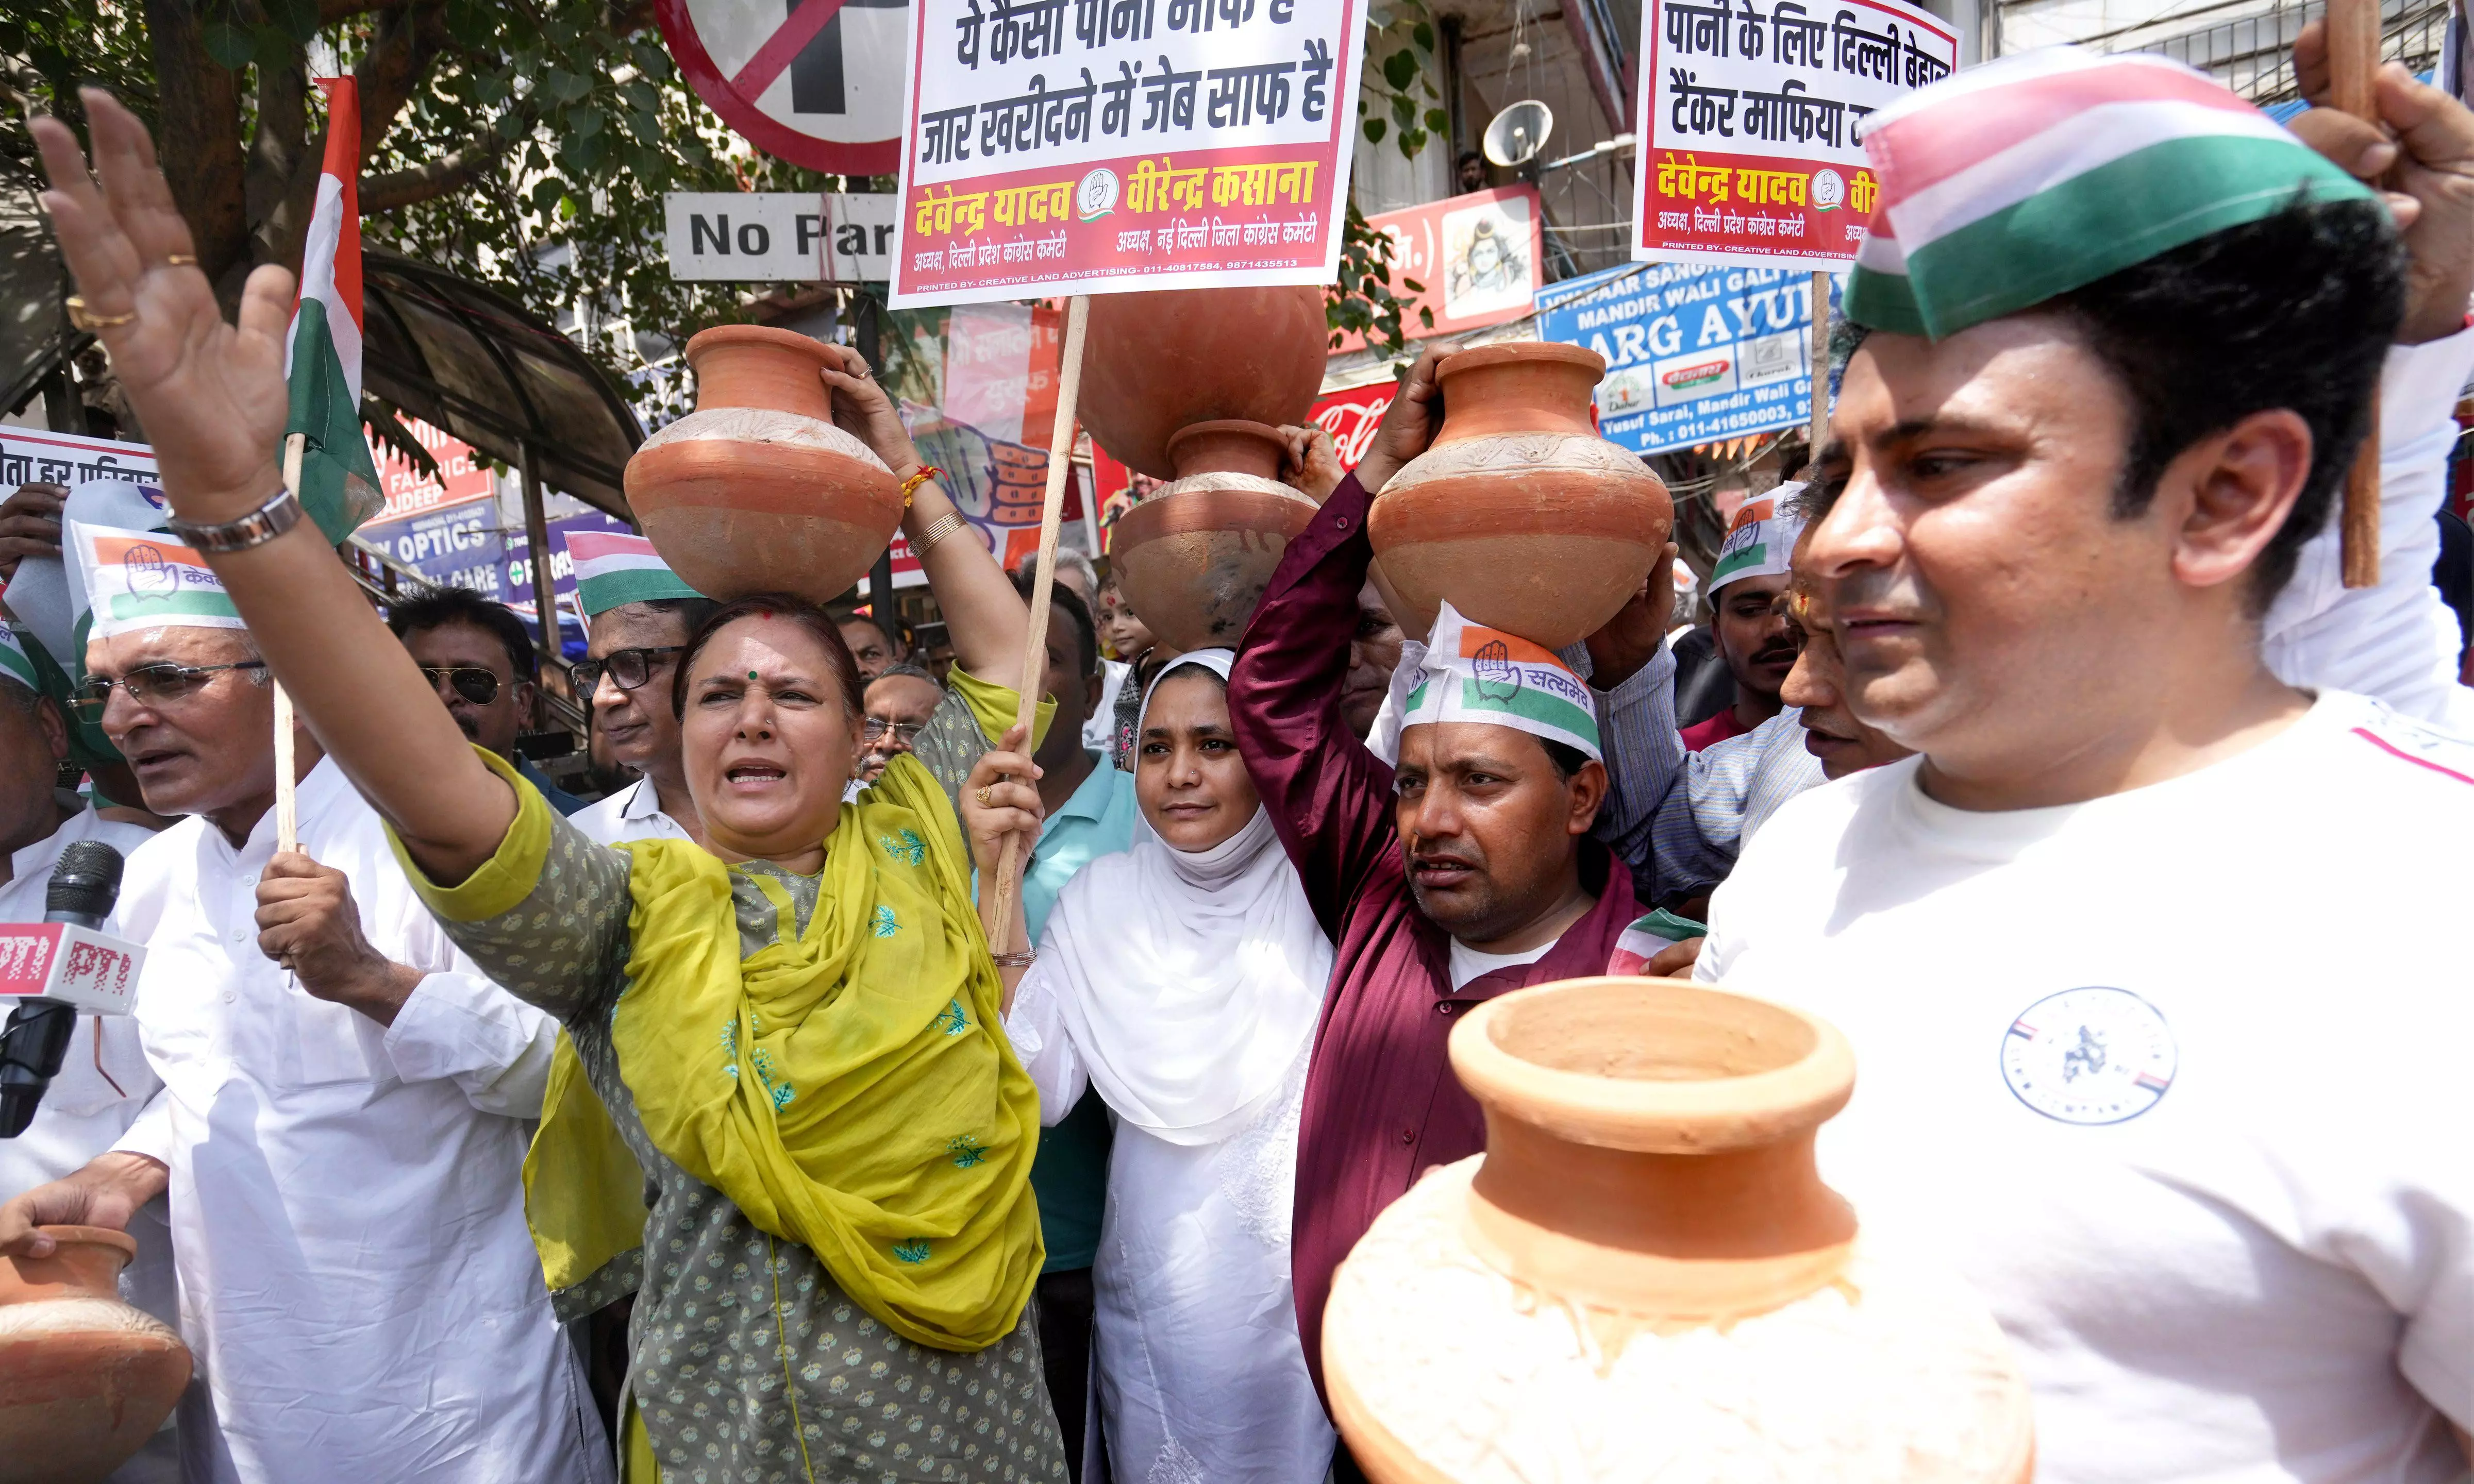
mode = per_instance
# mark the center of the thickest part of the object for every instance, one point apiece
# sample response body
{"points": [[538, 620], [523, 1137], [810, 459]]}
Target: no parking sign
{"points": [[818, 83]]}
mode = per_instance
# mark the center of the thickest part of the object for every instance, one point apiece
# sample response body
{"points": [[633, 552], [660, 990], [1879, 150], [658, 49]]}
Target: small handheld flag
{"points": [[321, 358]]}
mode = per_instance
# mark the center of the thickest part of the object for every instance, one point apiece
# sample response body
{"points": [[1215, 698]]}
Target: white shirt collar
{"points": [[644, 801]]}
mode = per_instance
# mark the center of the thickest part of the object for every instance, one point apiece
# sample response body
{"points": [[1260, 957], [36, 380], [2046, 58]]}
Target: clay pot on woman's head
{"points": [[757, 491], [1157, 362], [1643, 1276], [1520, 514], [84, 1379], [1194, 557]]}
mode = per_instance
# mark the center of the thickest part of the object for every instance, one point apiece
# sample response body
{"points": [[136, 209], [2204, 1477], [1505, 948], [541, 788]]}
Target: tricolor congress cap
{"points": [[2009, 184], [612, 568]]}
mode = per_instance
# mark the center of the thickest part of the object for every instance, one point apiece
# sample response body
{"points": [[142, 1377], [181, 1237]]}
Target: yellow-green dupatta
{"points": [[847, 1087]]}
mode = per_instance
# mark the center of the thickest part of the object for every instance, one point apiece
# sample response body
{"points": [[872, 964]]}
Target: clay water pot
{"points": [[1154, 363], [1194, 557], [1644, 1277], [1520, 513], [756, 490], [84, 1379]]}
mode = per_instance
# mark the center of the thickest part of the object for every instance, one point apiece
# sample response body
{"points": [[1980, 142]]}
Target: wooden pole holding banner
{"points": [[2353, 62], [1820, 428], [287, 807], [997, 907]]}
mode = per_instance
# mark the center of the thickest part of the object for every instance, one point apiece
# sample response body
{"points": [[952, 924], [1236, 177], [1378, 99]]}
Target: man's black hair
{"points": [[444, 607], [2295, 310], [1086, 634], [1567, 759]]}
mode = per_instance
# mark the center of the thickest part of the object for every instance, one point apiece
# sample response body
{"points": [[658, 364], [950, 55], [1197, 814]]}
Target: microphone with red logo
{"points": [[84, 885]]}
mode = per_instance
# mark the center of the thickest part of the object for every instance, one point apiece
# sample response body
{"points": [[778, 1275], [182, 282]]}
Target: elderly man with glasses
{"points": [[638, 617], [480, 657], [342, 1123]]}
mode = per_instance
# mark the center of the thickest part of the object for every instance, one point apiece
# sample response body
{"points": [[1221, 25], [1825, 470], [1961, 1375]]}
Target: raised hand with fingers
{"points": [[2421, 154], [865, 411], [1409, 425], [30, 525], [210, 395]]}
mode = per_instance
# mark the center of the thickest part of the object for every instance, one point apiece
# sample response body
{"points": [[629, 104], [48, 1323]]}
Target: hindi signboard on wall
{"points": [[1694, 354], [40, 456], [1107, 145], [1749, 122]]}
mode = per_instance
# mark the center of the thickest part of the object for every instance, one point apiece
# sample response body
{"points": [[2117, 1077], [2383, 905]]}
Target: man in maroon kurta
{"points": [[1381, 1104]]}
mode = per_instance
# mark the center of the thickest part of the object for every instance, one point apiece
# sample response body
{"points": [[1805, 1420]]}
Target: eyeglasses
{"points": [[149, 684], [631, 668], [904, 732], [471, 682]]}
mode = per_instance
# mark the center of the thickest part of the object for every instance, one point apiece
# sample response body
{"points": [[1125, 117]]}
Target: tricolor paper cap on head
{"points": [[1471, 673], [1760, 542], [2012, 182], [14, 664], [612, 568], [139, 580]]}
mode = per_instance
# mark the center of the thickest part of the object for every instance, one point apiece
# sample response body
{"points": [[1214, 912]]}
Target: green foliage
{"points": [[1400, 51]]}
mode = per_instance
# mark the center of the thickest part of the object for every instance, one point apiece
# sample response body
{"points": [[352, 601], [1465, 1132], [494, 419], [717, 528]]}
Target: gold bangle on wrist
{"points": [[1022, 960], [937, 530]]}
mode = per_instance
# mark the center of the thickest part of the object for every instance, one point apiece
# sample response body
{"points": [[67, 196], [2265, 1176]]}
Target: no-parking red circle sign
{"points": [[818, 83]]}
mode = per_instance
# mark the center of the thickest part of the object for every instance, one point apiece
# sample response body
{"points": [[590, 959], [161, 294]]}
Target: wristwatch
{"points": [[281, 513]]}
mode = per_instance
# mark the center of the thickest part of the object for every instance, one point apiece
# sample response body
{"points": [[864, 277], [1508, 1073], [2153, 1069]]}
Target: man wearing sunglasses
{"points": [[479, 656], [640, 615]]}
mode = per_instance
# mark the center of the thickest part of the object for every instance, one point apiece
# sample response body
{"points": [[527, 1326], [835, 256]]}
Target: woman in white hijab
{"points": [[1183, 978]]}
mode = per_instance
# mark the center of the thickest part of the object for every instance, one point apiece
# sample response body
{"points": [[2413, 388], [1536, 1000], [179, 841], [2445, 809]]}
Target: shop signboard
{"points": [[1695, 353]]}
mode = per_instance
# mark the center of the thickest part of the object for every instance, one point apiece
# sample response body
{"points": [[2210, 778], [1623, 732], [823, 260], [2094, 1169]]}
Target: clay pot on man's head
{"points": [[1159, 362], [1519, 516], [757, 491], [1644, 1277], [1194, 557], [84, 1379]]}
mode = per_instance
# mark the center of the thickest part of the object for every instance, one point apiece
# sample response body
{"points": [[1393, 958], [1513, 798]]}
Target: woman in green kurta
{"points": [[791, 1025]]}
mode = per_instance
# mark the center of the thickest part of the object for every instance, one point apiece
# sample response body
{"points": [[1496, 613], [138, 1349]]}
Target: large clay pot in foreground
{"points": [[1520, 514], [1159, 362], [1645, 1278], [84, 1379], [756, 490], [1194, 557]]}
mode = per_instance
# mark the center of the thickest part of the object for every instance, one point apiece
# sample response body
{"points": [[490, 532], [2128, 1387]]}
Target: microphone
{"points": [[84, 885]]}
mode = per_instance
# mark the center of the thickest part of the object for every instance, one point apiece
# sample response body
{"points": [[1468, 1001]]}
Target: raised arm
{"points": [[213, 399], [1329, 797], [986, 620]]}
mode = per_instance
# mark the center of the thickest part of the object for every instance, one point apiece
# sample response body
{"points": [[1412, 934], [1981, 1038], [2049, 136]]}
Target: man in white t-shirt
{"points": [[2223, 1203]]}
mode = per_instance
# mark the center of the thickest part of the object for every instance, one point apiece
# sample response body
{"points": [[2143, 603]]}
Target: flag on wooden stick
{"points": [[321, 358]]}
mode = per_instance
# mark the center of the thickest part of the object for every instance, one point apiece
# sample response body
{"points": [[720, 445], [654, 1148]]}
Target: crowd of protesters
{"points": [[703, 1132]]}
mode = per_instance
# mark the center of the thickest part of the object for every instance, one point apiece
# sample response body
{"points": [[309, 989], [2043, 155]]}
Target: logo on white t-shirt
{"points": [[2089, 1056]]}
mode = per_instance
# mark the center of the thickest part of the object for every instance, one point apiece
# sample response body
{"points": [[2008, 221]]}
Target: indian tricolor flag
{"points": [[322, 359], [1471, 673], [145, 579], [612, 567], [2006, 184]]}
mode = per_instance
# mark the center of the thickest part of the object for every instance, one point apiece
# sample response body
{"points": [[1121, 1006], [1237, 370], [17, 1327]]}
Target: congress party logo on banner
{"points": [[1749, 122], [1113, 145]]}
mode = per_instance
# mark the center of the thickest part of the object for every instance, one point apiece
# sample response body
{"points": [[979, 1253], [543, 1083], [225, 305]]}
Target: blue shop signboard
{"points": [[1694, 354]]}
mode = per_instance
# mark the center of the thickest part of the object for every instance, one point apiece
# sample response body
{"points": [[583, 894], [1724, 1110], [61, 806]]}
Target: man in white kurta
{"points": [[342, 1143]]}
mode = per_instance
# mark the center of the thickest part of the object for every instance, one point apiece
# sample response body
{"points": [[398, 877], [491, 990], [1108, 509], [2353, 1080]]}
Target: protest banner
{"points": [[1123, 144], [31, 456], [1749, 123], [1694, 354]]}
